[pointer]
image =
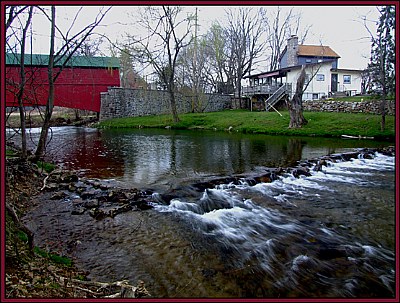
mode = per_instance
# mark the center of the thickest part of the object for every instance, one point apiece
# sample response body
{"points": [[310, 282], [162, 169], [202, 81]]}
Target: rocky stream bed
{"points": [[30, 275]]}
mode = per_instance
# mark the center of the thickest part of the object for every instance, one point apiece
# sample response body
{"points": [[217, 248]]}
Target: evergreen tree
{"points": [[382, 63]]}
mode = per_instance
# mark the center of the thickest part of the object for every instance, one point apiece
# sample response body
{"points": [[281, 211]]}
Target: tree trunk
{"points": [[384, 93], [239, 87], [40, 150], [77, 114], [41, 147], [295, 106], [20, 95], [383, 112], [171, 91], [22, 119], [173, 106]]}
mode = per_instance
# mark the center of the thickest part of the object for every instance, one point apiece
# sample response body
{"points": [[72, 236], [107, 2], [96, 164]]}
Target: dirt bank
{"points": [[35, 273], [60, 117]]}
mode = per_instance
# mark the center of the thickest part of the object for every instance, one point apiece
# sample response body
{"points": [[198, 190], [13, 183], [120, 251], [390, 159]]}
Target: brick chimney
{"points": [[292, 48]]}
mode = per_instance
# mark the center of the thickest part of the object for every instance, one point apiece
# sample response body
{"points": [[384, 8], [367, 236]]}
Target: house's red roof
{"points": [[316, 51]]}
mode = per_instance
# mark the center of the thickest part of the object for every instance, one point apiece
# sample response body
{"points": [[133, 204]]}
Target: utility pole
{"points": [[195, 48], [195, 76]]}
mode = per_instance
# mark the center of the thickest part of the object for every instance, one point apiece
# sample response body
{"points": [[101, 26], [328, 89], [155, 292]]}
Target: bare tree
{"points": [[61, 59], [295, 105], [194, 72], [167, 35], [13, 14], [280, 26], [244, 32], [216, 46], [22, 85], [196, 66], [91, 47]]}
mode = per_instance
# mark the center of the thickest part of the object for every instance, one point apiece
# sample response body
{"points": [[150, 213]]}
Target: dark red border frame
{"points": [[198, 3]]}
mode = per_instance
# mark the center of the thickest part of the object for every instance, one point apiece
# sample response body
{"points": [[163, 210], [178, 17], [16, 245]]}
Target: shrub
{"points": [[47, 167]]}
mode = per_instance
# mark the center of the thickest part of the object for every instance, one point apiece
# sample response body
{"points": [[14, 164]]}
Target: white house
{"points": [[321, 64], [326, 81]]}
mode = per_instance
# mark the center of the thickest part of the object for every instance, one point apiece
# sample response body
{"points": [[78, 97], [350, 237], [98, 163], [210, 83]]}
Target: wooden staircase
{"points": [[277, 96]]}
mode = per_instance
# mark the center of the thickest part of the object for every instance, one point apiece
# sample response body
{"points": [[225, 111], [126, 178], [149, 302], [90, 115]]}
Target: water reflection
{"points": [[164, 158], [78, 148]]}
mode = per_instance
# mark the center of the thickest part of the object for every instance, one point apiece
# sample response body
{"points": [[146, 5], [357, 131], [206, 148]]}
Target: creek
{"points": [[326, 235]]}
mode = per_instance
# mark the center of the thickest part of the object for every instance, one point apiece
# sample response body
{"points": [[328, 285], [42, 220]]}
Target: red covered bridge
{"points": [[78, 86]]}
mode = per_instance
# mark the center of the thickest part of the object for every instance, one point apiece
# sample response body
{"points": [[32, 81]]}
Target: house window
{"points": [[346, 79], [308, 60], [315, 96], [320, 77]]}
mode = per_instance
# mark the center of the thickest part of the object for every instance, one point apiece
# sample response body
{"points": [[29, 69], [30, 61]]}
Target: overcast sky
{"points": [[339, 27]]}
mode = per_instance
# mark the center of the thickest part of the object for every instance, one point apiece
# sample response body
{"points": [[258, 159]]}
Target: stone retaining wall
{"points": [[121, 102], [367, 107]]}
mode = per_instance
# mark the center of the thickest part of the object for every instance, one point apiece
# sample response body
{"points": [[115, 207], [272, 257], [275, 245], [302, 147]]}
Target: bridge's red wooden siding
{"points": [[77, 87]]}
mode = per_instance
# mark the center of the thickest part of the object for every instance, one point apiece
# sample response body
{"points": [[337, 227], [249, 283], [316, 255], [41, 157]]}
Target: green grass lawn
{"points": [[271, 123]]}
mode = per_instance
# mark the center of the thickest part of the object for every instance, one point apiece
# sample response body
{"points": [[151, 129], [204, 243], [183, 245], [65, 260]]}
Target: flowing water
{"points": [[331, 234]]}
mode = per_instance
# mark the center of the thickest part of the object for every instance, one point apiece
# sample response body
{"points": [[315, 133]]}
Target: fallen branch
{"points": [[20, 225], [44, 183], [86, 290], [101, 288], [356, 137]]}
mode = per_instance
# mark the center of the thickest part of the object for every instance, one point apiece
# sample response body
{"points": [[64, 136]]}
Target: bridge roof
{"points": [[75, 61]]}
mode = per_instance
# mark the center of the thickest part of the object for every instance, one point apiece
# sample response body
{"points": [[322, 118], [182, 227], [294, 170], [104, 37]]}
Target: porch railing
{"points": [[264, 89]]}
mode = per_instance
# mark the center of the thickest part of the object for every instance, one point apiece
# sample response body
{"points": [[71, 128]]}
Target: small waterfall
{"points": [[296, 234]]}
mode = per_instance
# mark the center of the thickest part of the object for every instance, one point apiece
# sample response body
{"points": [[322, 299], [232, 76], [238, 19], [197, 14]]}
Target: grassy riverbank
{"points": [[319, 123]]}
